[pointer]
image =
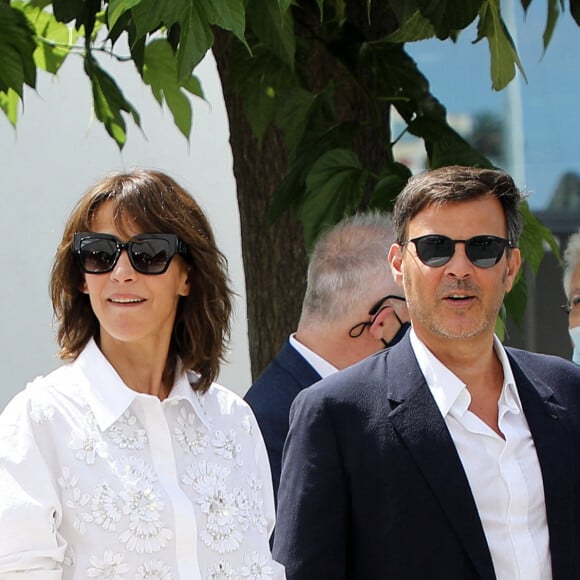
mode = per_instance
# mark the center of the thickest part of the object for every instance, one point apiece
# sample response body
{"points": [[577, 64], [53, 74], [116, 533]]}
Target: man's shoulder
{"points": [[285, 376], [365, 376], [547, 363], [549, 373]]}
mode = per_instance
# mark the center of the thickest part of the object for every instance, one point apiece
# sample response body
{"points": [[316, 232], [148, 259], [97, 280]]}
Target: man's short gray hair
{"points": [[347, 260]]}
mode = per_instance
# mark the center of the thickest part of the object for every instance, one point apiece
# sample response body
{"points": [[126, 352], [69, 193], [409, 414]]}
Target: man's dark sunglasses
{"points": [[483, 251], [359, 328], [148, 253]]}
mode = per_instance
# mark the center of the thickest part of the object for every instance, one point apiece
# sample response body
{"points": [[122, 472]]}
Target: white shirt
{"points": [[504, 475], [320, 365], [99, 481]]}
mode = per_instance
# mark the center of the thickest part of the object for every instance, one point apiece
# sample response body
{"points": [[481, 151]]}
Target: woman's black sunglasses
{"points": [[148, 253], [483, 251]]}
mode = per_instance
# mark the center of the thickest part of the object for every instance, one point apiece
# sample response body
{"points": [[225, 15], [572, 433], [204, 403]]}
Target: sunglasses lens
{"points": [[485, 251], [435, 250], [150, 255], [97, 255]]}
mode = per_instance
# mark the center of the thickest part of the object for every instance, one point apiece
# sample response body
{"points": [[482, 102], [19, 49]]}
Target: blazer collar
{"points": [[296, 365]]}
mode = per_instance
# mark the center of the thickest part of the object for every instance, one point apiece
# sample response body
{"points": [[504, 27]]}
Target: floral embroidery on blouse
{"points": [[153, 570], [192, 438], [226, 509], [87, 443], [227, 445], [75, 499], [106, 506], [41, 411], [109, 567], [126, 433], [257, 518], [221, 571], [144, 505], [258, 567]]}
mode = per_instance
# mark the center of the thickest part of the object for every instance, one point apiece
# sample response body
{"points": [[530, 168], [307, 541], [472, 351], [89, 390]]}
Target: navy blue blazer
{"points": [[271, 396], [373, 488]]}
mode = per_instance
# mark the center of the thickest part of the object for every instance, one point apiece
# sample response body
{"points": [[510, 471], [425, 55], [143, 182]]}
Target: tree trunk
{"points": [[274, 256]]}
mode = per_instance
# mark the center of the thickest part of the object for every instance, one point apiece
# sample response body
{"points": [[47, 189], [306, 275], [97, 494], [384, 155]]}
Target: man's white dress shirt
{"points": [[504, 474], [100, 482]]}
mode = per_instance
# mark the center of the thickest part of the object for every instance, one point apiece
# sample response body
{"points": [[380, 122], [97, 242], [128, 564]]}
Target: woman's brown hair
{"points": [[154, 203]]}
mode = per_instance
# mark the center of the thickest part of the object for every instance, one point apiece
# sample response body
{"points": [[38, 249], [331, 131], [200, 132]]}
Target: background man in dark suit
{"points": [[447, 456], [352, 308]]}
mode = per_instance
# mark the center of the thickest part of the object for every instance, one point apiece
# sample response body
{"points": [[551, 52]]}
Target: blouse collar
{"points": [[109, 397]]}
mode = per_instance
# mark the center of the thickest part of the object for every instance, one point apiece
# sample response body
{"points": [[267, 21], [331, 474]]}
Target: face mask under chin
{"points": [[404, 326]]}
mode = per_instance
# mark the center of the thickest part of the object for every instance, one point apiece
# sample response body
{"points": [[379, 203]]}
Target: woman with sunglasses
{"points": [[129, 462]]}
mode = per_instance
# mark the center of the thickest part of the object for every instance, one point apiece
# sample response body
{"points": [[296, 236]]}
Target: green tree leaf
{"points": [[109, 102], [148, 15], [399, 81], [575, 10], [117, 8], [195, 40], [552, 19], [414, 28], [514, 302], [227, 14], [9, 102], [290, 193], [390, 183], [67, 10], [17, 48], [293, 113], [335, 186], [284, 5], [274, 28], [504, 57], [445, 146], [534, 236], [54, 38], [159, 72], [260, 77], [301, 115], [448, 16]]}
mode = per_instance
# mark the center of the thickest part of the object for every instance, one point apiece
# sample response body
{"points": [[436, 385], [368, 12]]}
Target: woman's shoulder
{"points": [[220, 401], [43, 391]]}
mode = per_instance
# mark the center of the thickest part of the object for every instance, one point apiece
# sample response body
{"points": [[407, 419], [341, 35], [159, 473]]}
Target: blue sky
{"points": [[460, 78]]}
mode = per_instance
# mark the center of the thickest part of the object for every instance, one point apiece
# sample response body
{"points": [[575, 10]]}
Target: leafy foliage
{"points": [[326, 73]]}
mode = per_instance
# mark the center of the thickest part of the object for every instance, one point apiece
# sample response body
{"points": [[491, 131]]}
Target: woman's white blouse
{"points": [[99, 481]]}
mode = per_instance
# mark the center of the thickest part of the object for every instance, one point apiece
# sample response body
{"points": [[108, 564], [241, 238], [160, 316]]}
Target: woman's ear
{"points": [[185, 286]]}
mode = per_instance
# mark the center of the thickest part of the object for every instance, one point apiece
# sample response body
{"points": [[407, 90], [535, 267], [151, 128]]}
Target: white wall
{"points": [[54, 155]]}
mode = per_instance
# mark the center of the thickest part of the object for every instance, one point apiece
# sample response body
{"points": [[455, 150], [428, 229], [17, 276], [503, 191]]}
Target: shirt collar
{"points": [[320, 365], [448, 390], [109, 397]]}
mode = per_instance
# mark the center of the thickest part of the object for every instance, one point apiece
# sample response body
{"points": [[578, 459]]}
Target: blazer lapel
{"points": [[419, 423], [546, 419]]}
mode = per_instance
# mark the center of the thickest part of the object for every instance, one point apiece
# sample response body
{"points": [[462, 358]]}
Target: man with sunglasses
{"points": [[448, 456], [352, 308]]}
